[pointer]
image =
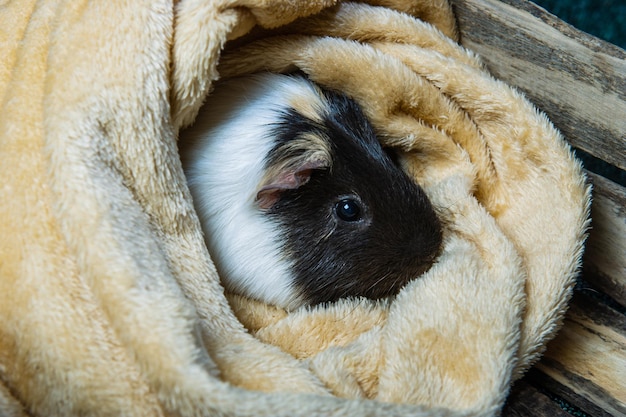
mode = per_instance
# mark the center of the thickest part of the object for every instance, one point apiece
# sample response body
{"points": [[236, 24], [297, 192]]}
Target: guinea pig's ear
{"points": [[286, 178]]}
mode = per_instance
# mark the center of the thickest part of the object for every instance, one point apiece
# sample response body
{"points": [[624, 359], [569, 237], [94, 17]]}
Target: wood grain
{"points": [[578, 80], [527, 401], [544, 383], [605, 254], [588, 356]]}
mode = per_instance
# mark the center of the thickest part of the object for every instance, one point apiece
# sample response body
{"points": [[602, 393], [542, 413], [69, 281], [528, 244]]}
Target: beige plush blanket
{"points": [[109, 301]]}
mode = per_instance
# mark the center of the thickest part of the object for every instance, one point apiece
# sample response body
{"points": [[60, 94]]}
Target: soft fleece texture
{"points": [[109, 302]]}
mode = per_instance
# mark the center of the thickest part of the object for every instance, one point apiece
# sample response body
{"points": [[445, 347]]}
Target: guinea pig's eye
{"points": [[348, 210]]}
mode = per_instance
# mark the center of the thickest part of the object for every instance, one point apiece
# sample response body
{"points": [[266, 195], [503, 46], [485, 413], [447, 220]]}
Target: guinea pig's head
{"points": [[352, 222]]}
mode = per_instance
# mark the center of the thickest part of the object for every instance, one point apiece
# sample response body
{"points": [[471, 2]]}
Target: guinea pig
{"points": [[298, 201]]}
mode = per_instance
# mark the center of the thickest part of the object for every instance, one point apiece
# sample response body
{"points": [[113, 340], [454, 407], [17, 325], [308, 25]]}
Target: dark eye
{"points": [[348, 210]]}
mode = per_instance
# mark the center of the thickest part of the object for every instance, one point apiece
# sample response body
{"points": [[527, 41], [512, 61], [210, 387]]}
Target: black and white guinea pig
{"points": [[299, 202]]}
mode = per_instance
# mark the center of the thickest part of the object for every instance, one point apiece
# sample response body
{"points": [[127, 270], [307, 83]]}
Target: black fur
{"points": [[398, 235]]}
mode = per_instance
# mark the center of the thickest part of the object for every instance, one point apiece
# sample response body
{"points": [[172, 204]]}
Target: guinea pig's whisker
{"points": [[328, 235], [448, 208], [378, 281], [352, 310]]}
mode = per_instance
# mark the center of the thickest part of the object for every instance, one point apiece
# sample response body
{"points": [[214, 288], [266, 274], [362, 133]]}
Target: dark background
{"points": [[605, 19]]}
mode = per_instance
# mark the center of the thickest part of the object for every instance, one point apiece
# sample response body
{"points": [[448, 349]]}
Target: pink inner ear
{"points": [[290, 179], [266, 198], [269, 194]]}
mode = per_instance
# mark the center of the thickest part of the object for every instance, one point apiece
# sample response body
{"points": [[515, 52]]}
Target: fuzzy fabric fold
{"points": [[109, 301]]}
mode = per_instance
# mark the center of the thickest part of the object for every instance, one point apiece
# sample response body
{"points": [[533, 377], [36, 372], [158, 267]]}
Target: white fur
{"points": [[224, 155]]}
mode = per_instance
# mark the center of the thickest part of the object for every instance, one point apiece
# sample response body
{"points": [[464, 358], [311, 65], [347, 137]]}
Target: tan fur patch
{"points": [[313, 105]]}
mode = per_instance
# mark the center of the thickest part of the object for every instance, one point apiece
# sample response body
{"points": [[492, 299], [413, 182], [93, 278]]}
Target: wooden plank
{"points": [[527, 401], [546, 384], [588, 357], [605, 254], [577, 79]]}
